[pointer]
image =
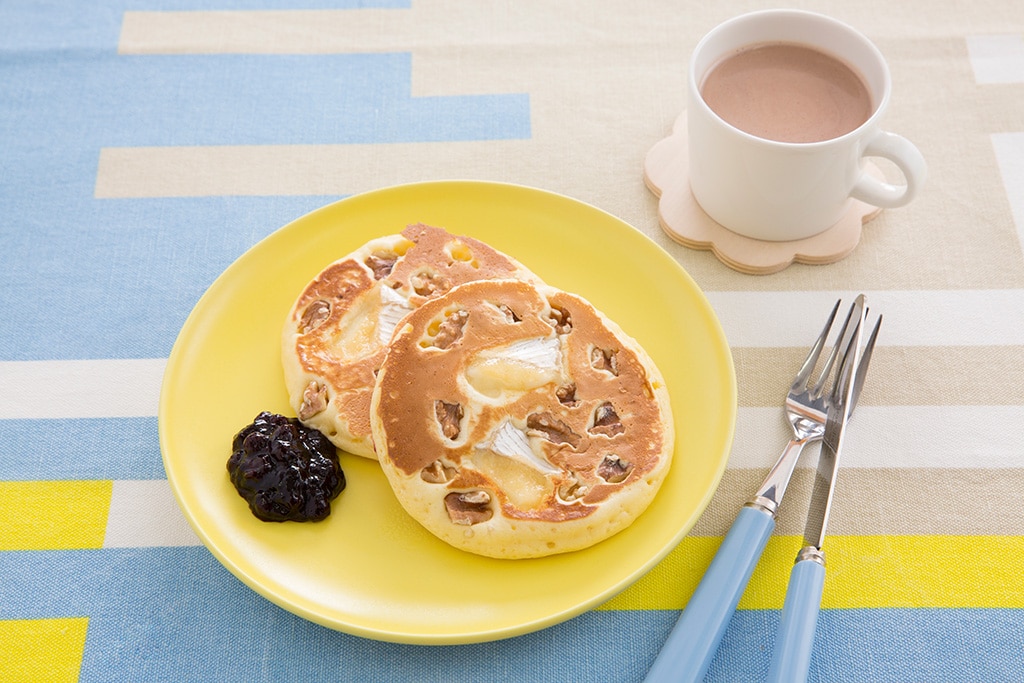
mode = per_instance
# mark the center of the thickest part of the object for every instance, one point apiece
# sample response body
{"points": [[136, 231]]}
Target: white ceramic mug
{"points": [[772, 190]]}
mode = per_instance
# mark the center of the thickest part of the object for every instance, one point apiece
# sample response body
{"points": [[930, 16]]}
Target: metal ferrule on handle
{"points": [[690, 647], [773, 488]]}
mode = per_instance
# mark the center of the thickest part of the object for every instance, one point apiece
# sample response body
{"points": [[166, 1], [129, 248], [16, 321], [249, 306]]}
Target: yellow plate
{"points": [[369, 569]]}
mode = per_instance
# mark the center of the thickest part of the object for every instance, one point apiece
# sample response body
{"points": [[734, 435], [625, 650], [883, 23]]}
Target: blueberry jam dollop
{"points": [[285, 470]]}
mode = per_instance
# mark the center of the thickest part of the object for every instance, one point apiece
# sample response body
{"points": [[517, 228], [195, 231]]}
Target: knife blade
{"points": [[852, 370]]}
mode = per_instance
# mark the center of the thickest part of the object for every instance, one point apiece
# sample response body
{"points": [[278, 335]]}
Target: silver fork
{"points": [[806, 408], [690, 647]]}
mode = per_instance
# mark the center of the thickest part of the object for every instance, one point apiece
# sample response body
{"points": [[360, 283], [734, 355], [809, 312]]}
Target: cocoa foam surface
{"points": [[787, 92]]}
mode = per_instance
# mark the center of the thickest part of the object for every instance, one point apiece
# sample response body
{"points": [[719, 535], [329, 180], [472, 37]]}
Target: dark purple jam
{"points": [[285, 470]]}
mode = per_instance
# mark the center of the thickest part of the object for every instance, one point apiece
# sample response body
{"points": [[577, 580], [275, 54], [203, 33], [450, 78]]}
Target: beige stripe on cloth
{"points": [[903, 376], [892, 501]]}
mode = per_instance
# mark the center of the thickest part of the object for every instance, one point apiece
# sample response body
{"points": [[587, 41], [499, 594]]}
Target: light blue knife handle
{"points": [[691, 645], [791, 657]]}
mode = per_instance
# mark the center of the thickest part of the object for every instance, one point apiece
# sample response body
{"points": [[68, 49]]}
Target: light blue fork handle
{"points": [[791, 657], [691, 645]]}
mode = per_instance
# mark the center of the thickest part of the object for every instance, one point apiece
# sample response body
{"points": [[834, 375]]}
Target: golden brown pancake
{"points": [[336, 334], [515, 420]]}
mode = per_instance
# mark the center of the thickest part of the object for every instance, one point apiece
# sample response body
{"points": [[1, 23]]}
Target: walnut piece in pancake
{"points": [[337, 332], [515, 420]]}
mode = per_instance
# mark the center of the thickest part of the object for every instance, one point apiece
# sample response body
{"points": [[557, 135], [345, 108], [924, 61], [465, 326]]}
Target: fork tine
{"points": [[844, 372], [838, 353], [804, 374], [865, 360]]}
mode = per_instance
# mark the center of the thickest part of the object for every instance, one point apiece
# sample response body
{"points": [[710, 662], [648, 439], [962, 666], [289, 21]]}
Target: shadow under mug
{"points": [[772, 190]]}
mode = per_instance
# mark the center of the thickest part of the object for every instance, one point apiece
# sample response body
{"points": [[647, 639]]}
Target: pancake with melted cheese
{"points": [[515, 420], [337, 332]]}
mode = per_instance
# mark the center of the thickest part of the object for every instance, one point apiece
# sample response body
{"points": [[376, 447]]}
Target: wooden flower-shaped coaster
{"points": [[666, 173]]}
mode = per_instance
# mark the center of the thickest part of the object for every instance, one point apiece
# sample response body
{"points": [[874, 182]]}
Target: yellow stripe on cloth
{"points": [[33, 650], [53, 515], [861, 572]]}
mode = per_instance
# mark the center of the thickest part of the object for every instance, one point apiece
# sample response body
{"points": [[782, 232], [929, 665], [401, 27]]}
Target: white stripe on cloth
{"points": [[885, 437], [997, 58], [144, 514], [80, 388], [989, 317], [1009, 149]]}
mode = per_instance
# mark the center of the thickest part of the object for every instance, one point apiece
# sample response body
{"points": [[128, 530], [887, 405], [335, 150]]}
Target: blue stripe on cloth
{"points": [[99, 100], [166, 614], [80, 449], [120, 282], [34, 25]]}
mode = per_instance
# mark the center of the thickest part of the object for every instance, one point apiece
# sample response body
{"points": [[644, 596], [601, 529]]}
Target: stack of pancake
{"points": [[512, 419]]}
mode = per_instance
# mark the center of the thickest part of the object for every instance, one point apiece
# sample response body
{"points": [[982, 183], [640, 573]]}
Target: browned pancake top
{"points": [[598, 424]]}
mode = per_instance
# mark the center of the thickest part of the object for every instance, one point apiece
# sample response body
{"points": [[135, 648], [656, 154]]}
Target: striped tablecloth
{"points": [[146, 144]]}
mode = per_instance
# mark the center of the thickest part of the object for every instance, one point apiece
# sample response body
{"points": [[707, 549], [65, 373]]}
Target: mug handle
{"points": [[907, 158]]}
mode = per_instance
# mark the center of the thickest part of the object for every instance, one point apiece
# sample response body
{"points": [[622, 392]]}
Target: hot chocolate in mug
{"points": [[784, 107]]}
